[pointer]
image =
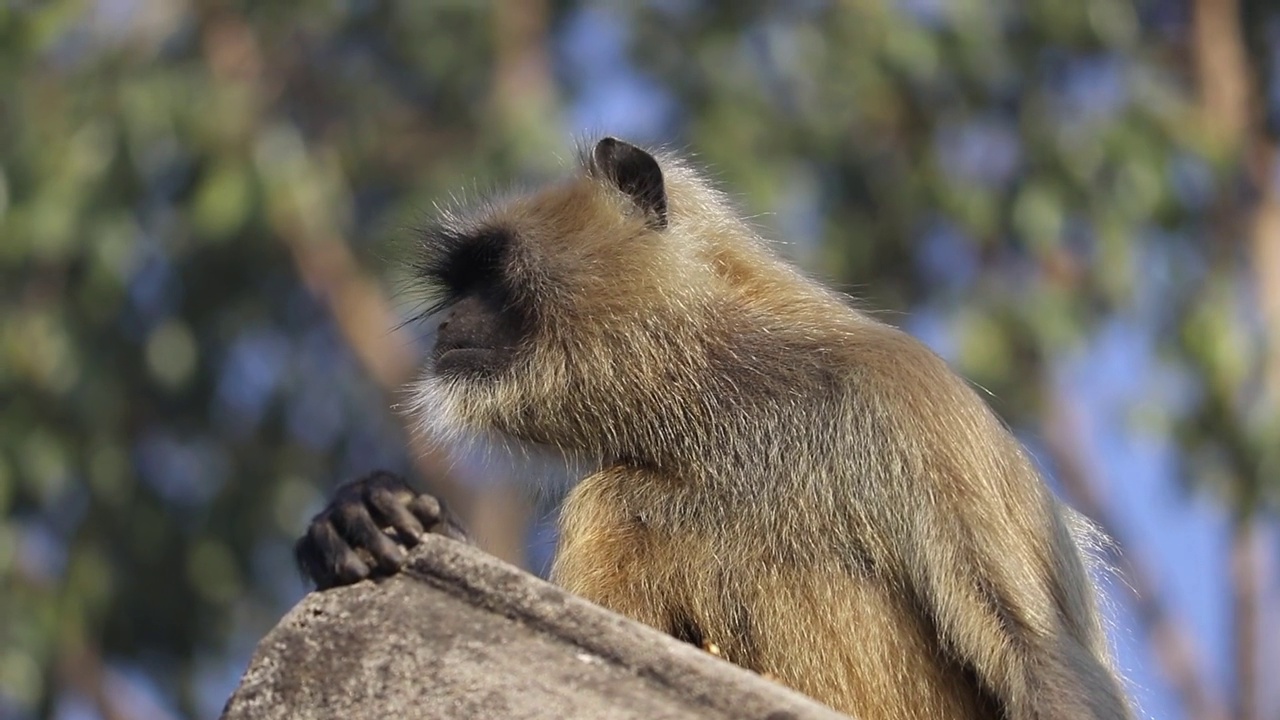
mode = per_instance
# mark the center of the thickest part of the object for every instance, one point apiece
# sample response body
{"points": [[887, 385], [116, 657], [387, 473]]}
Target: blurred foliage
{"points": [[175, 399]]}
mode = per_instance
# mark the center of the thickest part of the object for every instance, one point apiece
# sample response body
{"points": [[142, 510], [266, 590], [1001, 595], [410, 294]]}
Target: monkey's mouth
{"points": [[468, 361]]}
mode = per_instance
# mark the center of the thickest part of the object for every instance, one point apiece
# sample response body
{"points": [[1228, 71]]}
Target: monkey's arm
{"points": [[367, 527], [1012, 601], [609, 555]]}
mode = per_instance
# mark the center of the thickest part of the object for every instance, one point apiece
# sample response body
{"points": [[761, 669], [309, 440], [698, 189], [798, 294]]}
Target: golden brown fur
{"points": [[778, 473]]}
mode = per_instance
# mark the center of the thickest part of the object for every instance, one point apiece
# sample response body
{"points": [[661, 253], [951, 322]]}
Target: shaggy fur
{"points": [[811, 490]]}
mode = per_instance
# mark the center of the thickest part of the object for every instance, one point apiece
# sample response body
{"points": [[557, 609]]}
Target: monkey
{"points": [[773, 470]]}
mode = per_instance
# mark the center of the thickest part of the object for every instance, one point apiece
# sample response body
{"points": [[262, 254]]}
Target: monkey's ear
{"points": [[636, 173]]}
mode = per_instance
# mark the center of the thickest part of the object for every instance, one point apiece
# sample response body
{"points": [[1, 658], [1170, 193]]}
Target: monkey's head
{"points": [[604, 314]]}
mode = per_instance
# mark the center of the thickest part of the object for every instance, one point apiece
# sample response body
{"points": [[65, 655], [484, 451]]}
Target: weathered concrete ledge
{"points": [[462, 635]]}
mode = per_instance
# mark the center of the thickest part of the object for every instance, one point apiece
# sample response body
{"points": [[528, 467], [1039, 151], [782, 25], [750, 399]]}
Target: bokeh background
{"points": [[204, 205]]}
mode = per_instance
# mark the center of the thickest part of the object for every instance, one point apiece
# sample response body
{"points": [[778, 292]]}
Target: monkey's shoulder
{"points": [[875, 358]]}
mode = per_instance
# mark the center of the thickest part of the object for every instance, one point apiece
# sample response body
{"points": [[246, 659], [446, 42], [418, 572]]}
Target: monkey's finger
{"points": [[388, 481], [437, 518], [450, 530], [358, 528], [389, 508], [327, 559]]}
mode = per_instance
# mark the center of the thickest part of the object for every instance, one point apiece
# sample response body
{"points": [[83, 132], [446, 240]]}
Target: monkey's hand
{"points": [[367, 528]]}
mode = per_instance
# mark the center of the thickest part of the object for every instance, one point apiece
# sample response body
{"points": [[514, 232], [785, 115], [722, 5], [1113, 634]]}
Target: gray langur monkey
{"points": [[775, 472]]}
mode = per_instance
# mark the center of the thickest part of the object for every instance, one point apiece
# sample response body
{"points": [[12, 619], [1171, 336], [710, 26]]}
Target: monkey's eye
{"points": [[458, 264], [473, 265]]}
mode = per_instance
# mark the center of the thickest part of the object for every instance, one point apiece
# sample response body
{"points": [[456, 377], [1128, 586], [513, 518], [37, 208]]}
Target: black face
{"points": [[478, 336], [482, 328]]}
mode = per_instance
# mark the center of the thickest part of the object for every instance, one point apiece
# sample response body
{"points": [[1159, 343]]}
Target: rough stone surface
{"points": [[462, 635]]}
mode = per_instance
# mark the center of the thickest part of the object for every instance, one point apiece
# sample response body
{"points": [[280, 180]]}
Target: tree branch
{"points": [[1228, 88]]}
